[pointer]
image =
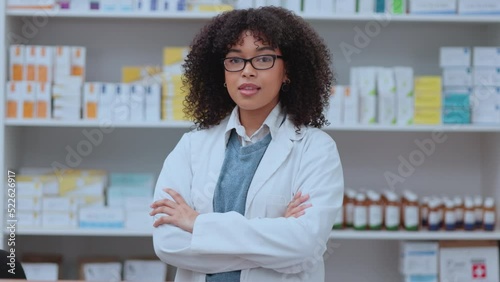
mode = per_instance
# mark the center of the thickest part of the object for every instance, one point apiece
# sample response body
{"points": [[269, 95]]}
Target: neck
{"points": [[253, 120]]}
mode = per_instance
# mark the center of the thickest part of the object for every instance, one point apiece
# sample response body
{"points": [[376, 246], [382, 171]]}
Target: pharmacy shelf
{"points": [[208, 15], [91, 123], [186, 124], [414, 235], [84, 232], [336, 234]]}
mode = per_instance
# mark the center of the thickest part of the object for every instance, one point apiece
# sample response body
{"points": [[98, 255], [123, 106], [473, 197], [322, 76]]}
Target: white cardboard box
{"points": [[433, 6], [144, 270], [479, 7], [457, 76], [486, 57], [455, 57], [468, 261], [419, 258]]}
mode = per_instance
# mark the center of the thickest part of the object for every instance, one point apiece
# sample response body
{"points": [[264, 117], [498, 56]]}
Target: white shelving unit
{"points": [[467, 162]]}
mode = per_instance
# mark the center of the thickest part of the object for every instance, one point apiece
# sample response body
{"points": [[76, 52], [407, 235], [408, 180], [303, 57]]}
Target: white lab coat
{"points": [[262, 243]]}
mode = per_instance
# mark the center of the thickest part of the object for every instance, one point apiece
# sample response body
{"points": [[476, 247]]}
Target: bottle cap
{"points": [[360, 197], [458, 201], [489, 202]]}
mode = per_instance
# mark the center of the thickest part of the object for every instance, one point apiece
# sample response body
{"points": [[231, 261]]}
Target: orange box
{"points": [[29, 100], [14, 99], [31, 61], [78, 55], [45, 63], [16, 66], [43, 100]]}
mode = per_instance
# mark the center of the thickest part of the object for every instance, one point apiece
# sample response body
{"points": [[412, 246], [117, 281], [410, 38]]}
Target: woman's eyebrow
{"points": [[263, 48]]}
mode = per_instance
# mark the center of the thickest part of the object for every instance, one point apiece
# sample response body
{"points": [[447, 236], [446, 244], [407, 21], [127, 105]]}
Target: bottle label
{"points": [[411, 216], [489, 217], [349, 214], [469, 217], [434, 218], [375, 219], [449, 218], [392, 217], [360, 217]]}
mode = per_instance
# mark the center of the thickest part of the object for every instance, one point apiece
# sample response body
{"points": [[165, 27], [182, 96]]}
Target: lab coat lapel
{"points": [[276, 153]]}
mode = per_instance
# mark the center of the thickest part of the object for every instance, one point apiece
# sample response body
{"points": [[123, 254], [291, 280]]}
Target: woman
{"points": [[252, 194]]}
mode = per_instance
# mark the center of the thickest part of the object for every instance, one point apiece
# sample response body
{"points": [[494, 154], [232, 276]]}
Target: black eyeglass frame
{"points": [[275, 57]]}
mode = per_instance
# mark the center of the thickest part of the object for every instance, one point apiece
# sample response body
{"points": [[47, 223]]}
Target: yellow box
{"points": [[138, 73], [429, 116], [428, 100], [174, 55], [428, 83]]}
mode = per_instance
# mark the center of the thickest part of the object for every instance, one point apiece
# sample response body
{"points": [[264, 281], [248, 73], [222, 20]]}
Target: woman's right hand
{"points": [[296, 207]]}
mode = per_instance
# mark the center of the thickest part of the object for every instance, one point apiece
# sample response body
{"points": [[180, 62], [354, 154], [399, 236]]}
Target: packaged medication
{"points": [[469, 214], [14, 100], [366, 6], [392, 213], [44, 63], [91, 95], [433, 6], [457, 76], [486, 57], [486, 7], [367, 94], [153, 102], [78, 55], [375, 211], [386, 96], [434, 215], [31, 63], [137, 106], [486, 76], [455, 57], [411, 211], [343, 7], [360, 212], [489, 216], [17, 62], [449, 216], [62, 61], [405, 98], [43, 100], [29, 99]]}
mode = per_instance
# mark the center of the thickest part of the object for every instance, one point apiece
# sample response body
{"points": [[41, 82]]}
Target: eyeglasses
{"points": [[262, 62]]}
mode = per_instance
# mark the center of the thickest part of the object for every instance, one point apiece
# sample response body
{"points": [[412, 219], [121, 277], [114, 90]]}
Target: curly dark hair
{"points": [[307, 65]]}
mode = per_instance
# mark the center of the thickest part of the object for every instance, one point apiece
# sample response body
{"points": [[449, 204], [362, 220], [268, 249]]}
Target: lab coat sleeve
{"points": [[287, 245], [172, 244]]}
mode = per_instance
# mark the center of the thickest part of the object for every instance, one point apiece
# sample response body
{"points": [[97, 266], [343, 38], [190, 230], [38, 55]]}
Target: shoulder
{"points": [[201, 135]]}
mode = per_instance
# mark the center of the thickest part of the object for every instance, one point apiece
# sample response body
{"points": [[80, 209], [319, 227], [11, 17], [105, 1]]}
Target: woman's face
{"points": [[254, 91]]}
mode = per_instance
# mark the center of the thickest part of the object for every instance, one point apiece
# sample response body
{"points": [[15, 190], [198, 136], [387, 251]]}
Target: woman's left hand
{"points": [[179, 213]]}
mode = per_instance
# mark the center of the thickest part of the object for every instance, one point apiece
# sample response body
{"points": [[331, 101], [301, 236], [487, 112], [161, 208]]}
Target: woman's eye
{"points": [[265, 59], [235, 60]]}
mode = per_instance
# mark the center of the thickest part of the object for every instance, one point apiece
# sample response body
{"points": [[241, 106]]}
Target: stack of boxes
{"points": [[45, 82], [486, 92], [428, 100], [82, 199], [133, 194], [457, 82], [173, 93]]}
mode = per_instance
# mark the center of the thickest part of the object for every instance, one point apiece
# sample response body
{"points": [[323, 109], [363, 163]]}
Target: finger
{"points": [[299, 214], [300, 208], [176, 196], [164, 210], [304, 198], [164, 202], [297, 195], [163, 220]]}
